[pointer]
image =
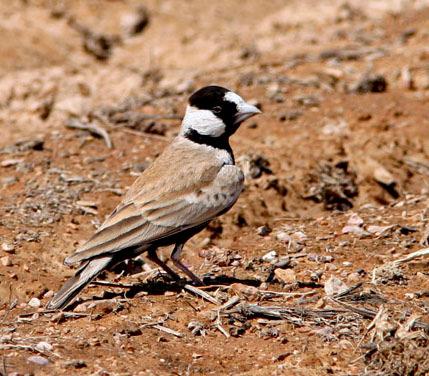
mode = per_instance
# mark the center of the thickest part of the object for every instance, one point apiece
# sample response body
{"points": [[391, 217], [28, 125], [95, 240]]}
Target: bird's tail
{"points": [[75, 284]]}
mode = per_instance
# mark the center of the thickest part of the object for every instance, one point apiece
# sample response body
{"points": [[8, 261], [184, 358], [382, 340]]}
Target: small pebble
{"points": [[39, 360], [271, 256], [34, 303], [7, 247], [354, 229], [263, 230], [355, 220], [353, 278], [43, 346], [75, 364], [283, 237], [347, 263], [49, 294], [6, 261], [334, 286], [10, 162], [285, 275]]}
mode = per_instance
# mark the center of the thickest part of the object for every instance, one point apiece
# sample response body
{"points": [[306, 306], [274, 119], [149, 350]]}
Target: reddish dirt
{"points": [[301, 61]]}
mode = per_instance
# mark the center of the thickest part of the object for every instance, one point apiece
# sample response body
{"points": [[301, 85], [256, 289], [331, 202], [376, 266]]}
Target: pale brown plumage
{"points": [[180, 190], [193, 181]]}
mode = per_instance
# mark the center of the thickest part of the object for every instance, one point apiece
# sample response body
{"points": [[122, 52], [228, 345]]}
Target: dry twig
{"points": [[91, 128], [202, 294]]}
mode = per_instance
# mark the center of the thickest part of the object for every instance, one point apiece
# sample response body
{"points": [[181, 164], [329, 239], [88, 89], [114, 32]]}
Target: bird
{"points": [[194, 180]]}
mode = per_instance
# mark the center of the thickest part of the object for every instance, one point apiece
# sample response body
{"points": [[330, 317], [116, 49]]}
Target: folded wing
{"points": [[158, 211]]}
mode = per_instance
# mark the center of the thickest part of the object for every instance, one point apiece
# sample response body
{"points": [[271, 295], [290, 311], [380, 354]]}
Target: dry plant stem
{"points": [[229, 304], [168, 330], [201, 293], [92, 128], [412, 256]]}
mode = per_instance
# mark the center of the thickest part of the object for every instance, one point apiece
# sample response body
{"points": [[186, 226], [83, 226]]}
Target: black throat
{"points": [[221, 143]]}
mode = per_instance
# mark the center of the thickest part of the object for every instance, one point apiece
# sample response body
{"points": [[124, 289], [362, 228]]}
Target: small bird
{"points": [[193, 181]]}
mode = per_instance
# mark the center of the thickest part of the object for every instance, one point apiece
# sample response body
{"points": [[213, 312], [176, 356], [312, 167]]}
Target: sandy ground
{"points": [[337, 186]]}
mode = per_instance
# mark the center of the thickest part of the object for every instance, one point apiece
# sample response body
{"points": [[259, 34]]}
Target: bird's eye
{"points": [[217, 109]]}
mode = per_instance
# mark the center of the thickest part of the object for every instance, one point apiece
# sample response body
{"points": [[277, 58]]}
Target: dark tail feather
{"points": [[75, 284]]}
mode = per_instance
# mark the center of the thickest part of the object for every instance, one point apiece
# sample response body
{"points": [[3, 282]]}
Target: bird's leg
{"points": [[175, 257], [152, 256]]}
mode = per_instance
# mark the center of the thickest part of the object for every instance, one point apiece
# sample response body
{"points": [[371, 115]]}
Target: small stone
{"points": [[8, 180], [383, 176], [263, 230], [43, 346], [10, 162], [335, 128], [6, 261], [299, 236], [131, 331], [271, 256], [355, 220], [334, 286], [49, 294], [39, 360], [248, 291], [370, 84], [78, 364], [34, 303], [135, 22], [353, 277], [357, 230], [378, 230], [347, 263], [81, 308], [7, 247], [320, 258], [283, 236], [285, 275]]}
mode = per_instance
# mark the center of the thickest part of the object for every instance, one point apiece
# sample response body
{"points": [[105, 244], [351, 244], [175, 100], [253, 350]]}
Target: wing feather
{"points": [[160, 209]]}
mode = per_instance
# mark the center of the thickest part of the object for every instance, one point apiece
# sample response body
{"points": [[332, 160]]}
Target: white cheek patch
{"points": [[204, 122], [230, 96]]}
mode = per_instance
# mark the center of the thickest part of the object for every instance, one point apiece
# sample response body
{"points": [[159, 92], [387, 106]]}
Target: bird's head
{"points": [[215, 112]]}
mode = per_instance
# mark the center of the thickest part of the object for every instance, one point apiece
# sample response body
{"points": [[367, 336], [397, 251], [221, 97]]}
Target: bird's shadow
{"points": [[161, 285]]}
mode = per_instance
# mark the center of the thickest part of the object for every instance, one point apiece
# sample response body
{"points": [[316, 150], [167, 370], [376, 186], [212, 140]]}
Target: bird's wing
{"points": [[161, 205]]}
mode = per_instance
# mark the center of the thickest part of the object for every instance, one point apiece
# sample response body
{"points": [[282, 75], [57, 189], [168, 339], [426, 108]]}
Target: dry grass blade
{"points": [[412, 256], [168, 330], [230, 303], [294, 315], [222, 330], [202, 294], [91, 128], [112, 284]]}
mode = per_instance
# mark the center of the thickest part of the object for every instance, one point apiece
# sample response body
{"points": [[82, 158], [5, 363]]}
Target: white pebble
{"points": [[43, 346], [7, 247], [39, 360], [334, 286], [270, 256], [355, 220], [6, 261], [34, 303], [353, 229], [283, 237]]}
